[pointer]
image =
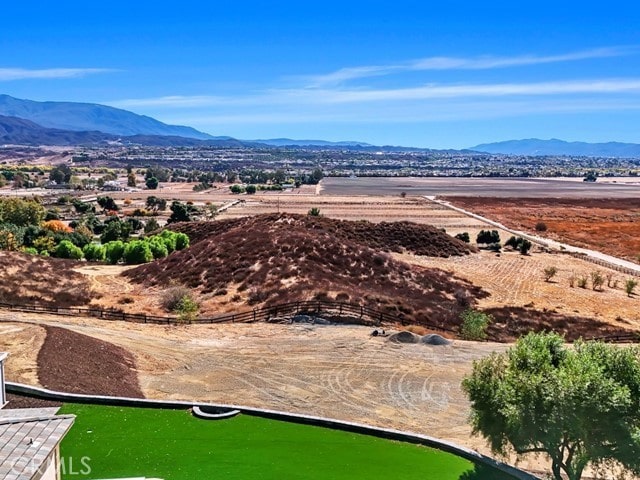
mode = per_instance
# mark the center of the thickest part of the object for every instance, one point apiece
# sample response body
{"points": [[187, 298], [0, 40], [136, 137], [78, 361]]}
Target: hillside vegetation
{"points": [[272, 259]]}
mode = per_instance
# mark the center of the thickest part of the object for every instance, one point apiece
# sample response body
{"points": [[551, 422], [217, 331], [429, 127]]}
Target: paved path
{"points": [[592, 255]]}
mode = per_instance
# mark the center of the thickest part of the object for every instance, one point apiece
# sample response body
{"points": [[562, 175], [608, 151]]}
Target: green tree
{"points": [[21, 212], [94, 252], [464, 236], [108, 204], [488, 237], [151, 225], [180, 212], [137, 252], [152, 183], [580, 406], [474, 325], [156, 203], [66, 249], [251, 189], [114, 251]]}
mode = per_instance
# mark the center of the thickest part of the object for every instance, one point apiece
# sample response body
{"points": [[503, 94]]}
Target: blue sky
{"points": [[442, 75]]}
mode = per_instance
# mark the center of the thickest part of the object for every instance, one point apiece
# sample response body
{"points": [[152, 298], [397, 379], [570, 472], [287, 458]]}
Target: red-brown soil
{"points": [[30, 279], [611, 226], [75, 363], [273, 259], [418, 239]]}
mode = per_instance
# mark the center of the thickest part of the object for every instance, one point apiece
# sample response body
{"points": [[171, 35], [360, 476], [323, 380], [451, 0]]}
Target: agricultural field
{"points": [[607, 225]]}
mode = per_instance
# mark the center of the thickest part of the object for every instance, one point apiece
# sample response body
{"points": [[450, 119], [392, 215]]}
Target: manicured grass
{"points": [[173, 445]]}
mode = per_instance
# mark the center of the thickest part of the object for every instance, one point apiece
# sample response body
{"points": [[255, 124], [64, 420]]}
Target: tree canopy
{"points": [[580, 405]]}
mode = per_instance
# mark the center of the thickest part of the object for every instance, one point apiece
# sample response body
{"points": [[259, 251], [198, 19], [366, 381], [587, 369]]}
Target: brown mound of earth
{"points": [[30, 279], [75, 363], [418, 239], [18, 401], [274, 259]]}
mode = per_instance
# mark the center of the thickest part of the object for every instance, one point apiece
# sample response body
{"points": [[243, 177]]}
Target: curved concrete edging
{"points": [[199, 413], [352, 427]]}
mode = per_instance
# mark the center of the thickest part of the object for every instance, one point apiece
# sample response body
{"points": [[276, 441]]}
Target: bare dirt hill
{"points": [[271, 259]]}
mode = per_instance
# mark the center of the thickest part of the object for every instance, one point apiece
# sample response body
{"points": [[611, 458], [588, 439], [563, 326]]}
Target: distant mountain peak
{"points": [[91, 117]]}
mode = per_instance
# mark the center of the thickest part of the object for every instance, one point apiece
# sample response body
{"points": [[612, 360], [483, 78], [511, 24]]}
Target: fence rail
{"points": [[355, 313]]}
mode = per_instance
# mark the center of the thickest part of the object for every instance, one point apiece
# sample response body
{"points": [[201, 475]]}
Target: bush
{"points": [[151, 226], [597, 280], [137, 252], [187, 308], [488, 237], [474, 325], [251, 189], [182, 241], [169, 238], [630, 285], [582, 282], [541, 227], [158, 247], [114, 251], [549, 273], [525, 246], [314, 212], [171, 297], [94, 252], [464, 236], [31, 251], [66, 249]]}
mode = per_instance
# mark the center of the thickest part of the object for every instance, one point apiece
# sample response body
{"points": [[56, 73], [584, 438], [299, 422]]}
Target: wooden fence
{"points": [[348, 312]]}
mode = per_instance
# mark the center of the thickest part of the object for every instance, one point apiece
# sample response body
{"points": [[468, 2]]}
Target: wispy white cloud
{"points": [[7, 74], [302, 96], [461, 63]]}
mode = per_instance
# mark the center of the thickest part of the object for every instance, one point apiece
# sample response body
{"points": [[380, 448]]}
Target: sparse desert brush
{"points": [[172, 296], [541, 227], [572, 280], [128, 201], [630, 285], [582, 282], [549, 273], [597, 280]]}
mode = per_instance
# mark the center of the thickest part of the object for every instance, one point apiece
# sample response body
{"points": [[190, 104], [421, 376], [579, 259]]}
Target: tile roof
{"points": [[27, 438]]}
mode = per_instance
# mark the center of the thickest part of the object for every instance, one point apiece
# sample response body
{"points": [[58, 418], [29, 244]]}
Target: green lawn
{"points": [[173, 445]]}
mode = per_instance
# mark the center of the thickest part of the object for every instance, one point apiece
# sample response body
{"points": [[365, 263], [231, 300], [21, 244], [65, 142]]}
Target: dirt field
{"points": [[339, 372], [611, 226], [478, 187]]}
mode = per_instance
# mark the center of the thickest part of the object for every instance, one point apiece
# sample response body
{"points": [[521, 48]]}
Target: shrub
{"points": [[182, 241], [236, 189], [66, 249], [94, 252], [549, 273], [582, 282], [152, 183], [630, 285], [172, 296], [44, 244], [541, 227], [597, 280], [158, 247], [187, 308], [30, 251], [114, 251], [512, 243], [137, 252], [525, 246], [169, 238], [251, 189], [151, 226], [474, 325], [488, 237], [464, 236], [314, 212]]}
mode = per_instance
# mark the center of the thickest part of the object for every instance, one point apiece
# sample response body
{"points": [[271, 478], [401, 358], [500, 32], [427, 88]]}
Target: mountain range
{"points": [[69, 123], [535, 147]]}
